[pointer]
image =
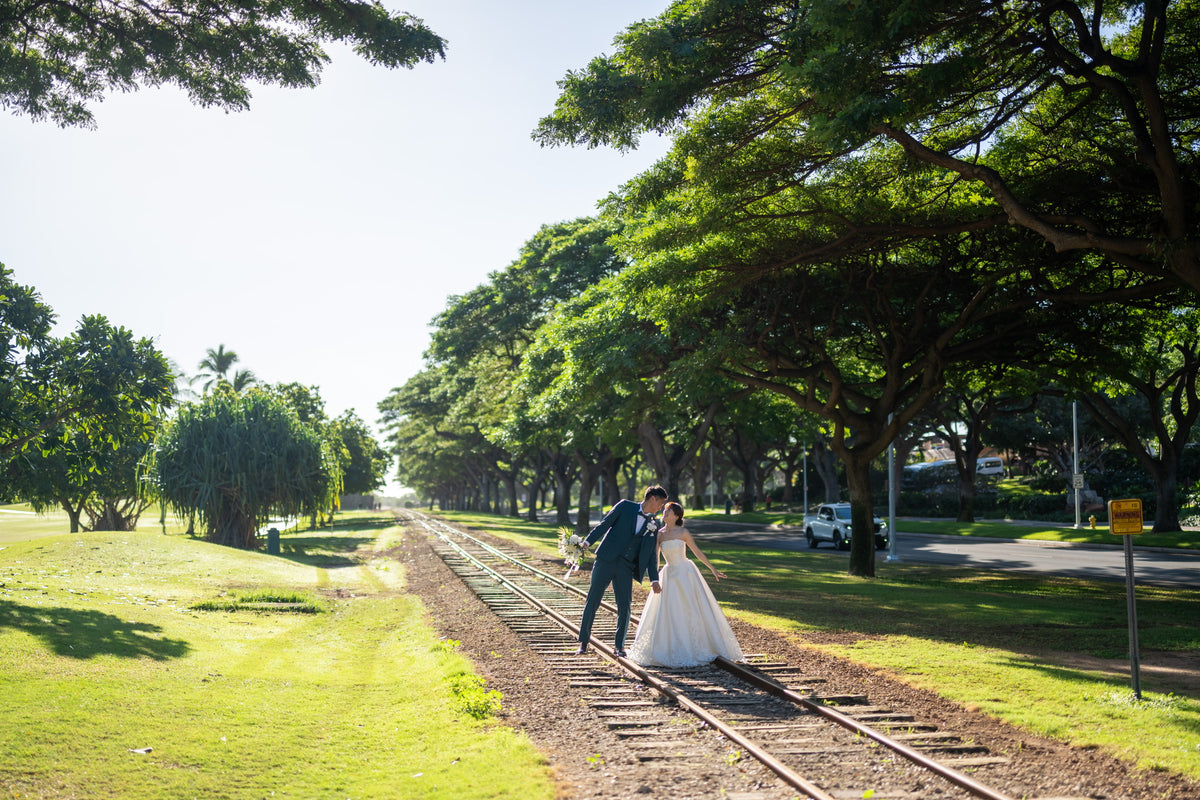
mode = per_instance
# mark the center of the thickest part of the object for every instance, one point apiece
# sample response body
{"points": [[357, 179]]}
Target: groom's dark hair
{"points": [[654, 491]]}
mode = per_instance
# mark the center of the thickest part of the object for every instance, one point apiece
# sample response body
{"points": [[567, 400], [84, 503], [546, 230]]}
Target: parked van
{"points": [[990, 465]]}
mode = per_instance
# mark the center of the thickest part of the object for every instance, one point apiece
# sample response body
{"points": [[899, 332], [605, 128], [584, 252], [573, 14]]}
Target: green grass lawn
{"points": [[115, 685], [1006, 644], [1052, 532], [19, 523]]}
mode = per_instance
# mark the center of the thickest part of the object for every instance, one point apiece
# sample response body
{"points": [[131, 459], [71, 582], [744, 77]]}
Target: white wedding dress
{"points": [[682, 626]]}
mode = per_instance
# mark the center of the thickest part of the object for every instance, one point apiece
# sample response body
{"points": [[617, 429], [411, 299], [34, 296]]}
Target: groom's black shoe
{"points": [[582, 649], [619, 652]]}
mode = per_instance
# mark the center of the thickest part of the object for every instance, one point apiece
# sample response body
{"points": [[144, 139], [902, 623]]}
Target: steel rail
{"points": [[767, 684], [779, 690], [559, 582], [785, 773]]}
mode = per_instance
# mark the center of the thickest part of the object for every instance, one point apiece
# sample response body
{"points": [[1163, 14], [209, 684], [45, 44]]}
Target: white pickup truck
{"points": [[831, 523]]}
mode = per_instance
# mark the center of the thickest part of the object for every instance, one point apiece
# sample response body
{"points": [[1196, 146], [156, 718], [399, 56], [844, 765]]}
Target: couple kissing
{"points": [[681, 625]]}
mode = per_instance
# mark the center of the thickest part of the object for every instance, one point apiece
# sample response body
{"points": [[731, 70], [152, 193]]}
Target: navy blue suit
{"points": [[621, 557]]}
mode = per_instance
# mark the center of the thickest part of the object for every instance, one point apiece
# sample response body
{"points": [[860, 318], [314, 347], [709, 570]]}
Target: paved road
{"points": [[1151, 566]]}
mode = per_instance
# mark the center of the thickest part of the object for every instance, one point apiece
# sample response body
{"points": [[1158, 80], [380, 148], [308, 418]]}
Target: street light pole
{"points": [[891, 462], [1076, 481], [804, 471], [712, 480]]}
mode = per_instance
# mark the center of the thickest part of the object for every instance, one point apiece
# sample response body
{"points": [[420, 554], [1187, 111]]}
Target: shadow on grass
{"points": [[366, 523], [327, 552], [950, 604], [82, 633]]}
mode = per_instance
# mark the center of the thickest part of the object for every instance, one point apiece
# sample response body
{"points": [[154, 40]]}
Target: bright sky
{"points": [[318, 233]]}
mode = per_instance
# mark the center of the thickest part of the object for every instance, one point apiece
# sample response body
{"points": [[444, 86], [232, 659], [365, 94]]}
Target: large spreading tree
{"points": [[860, 195], [98, 380], [365, 462], [1073, 121]]}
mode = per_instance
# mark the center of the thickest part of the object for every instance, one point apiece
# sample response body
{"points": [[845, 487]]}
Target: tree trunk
{"points": [[612, 485], [563, 480], [1166, 500], [669, 462], [1163, 469], [73, 512], [510, 487], [534, 487], [825, 464], [108, 516], [790, 470], [749, 470], [234, 527], [862, 514], [587, 479], [700, 480], [966, 487]]}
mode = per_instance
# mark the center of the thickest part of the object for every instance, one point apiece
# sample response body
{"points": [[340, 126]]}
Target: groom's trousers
{"points": [[620, 574]]}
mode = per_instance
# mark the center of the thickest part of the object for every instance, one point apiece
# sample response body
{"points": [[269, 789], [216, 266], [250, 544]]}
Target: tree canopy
{"points": [[1076, 122], [56, 59], [96, 380], [861, 195]]}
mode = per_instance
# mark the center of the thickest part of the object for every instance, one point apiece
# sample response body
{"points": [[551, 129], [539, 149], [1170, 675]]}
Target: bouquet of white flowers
{"points": [[571, 548]]}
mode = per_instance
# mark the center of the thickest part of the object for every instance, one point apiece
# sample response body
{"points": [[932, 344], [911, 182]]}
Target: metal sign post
{"points": [[891, 462], [1125, 520]]}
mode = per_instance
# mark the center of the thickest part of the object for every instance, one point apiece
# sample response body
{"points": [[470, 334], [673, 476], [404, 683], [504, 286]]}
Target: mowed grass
{"points": [[113, 685], [994, 529], [1049, 655], [19, 523]]}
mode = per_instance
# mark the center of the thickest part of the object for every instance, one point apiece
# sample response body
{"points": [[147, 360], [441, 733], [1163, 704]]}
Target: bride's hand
{"points": [[718, 574]]}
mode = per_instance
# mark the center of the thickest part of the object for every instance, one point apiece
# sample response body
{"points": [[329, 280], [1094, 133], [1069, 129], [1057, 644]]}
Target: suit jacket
{"points": [[614, 533]]}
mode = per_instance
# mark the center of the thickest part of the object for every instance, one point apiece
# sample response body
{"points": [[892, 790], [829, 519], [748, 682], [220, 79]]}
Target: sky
{"points": [[318, 233]]}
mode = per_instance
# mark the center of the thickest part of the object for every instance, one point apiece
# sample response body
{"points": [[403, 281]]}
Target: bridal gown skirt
{"points": [[682, 626]]}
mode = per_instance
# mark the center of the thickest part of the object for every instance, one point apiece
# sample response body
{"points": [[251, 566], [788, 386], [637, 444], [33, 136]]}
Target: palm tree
{"points": [[243, 378], [215, 365]]}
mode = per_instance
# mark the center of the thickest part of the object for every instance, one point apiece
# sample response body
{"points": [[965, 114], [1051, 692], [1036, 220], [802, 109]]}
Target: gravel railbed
{"points": [[590, 762]]}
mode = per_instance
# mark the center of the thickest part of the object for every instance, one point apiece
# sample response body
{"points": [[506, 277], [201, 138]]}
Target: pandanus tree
{"points": [[236, 460]]}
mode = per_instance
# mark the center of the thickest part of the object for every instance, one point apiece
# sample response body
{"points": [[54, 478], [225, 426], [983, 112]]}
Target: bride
{"points": [[682, 626]]}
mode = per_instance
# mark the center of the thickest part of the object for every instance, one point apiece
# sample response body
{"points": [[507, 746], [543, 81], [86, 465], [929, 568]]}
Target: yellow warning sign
{"points": [[1125, 517]]}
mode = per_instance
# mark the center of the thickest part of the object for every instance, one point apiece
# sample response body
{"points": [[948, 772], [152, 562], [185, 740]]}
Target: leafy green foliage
{"points": [[236, 460], [57, 59], [471, 696], [1069, 120], [466, 422], [77, 414], [365, 464]]}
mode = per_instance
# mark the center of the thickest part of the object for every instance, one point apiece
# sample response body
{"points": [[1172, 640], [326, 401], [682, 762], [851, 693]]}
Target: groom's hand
{"points": [[655, 587]]}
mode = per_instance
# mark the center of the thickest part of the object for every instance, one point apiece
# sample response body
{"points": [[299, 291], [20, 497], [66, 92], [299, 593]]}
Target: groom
{"points": [[628, 550]]}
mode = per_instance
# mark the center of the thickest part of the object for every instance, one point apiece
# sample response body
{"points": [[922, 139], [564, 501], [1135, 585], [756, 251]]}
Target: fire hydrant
{"points": [[1092, 519]]}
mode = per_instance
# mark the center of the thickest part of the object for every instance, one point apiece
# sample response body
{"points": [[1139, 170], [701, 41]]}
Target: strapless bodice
{"points": [[674, 550]]}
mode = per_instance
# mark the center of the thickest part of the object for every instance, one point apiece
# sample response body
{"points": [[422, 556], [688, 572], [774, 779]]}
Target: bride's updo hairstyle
{"points": [[678, 509]]}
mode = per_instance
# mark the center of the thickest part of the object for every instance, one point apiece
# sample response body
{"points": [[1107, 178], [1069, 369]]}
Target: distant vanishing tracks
{"points": [[827, 747]]}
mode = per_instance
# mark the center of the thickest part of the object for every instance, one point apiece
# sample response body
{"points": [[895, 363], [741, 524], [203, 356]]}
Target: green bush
{"points": [[472, 698], [926, 504], [1036, 505], [1189, 505]]}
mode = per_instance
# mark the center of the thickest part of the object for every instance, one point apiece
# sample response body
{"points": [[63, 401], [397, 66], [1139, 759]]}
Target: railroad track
{"points": [[825, 746]]}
